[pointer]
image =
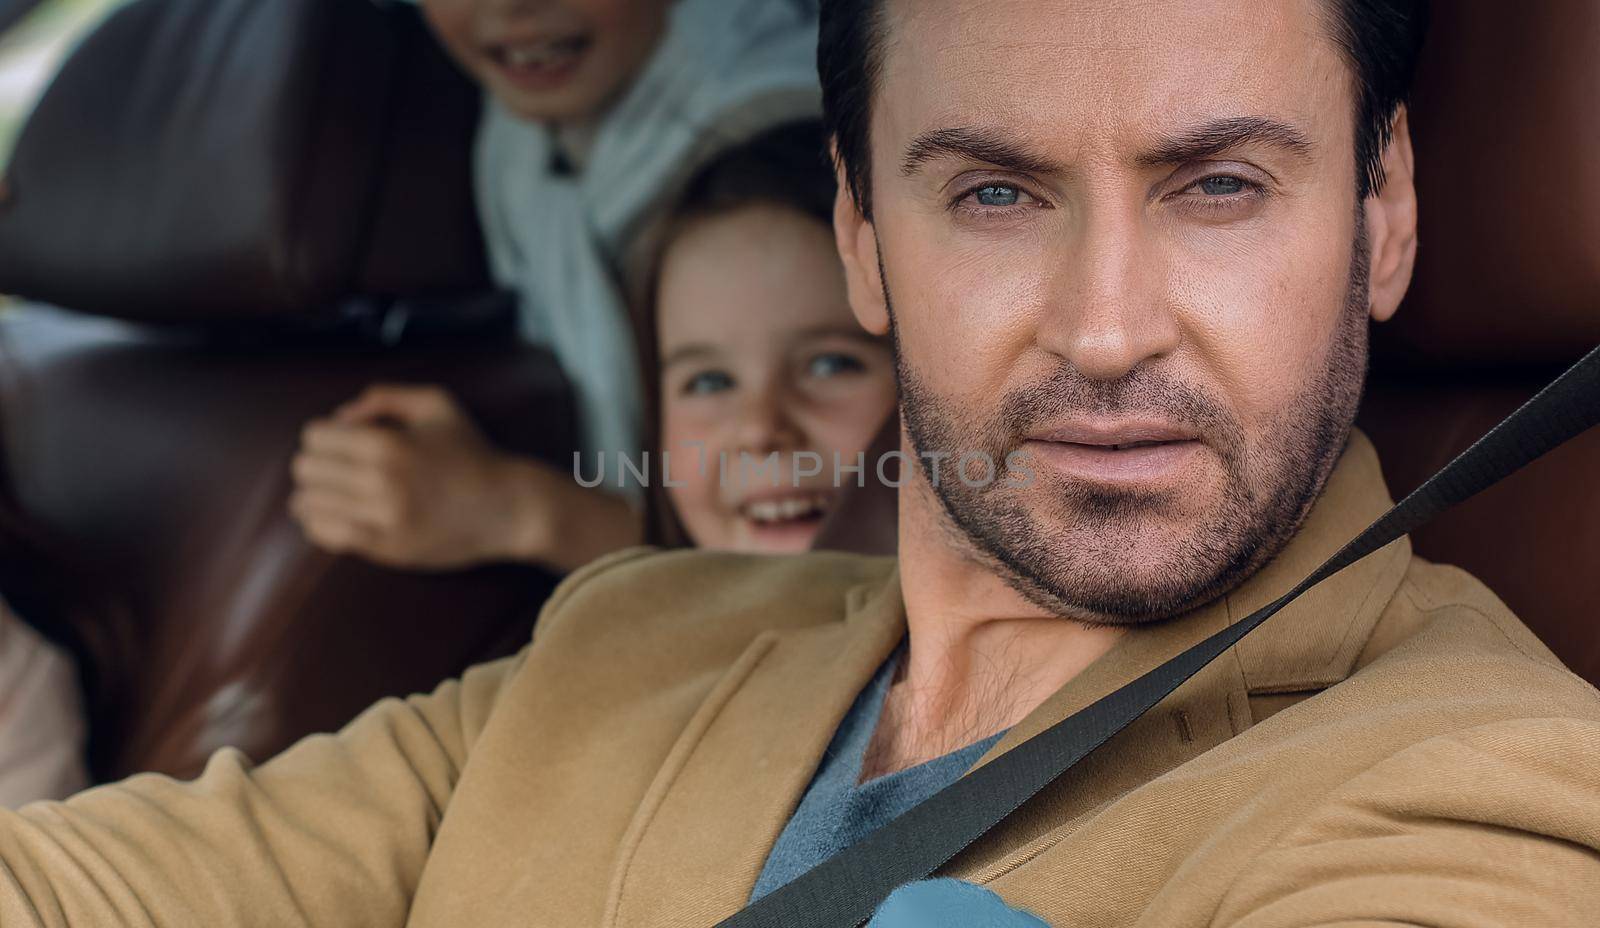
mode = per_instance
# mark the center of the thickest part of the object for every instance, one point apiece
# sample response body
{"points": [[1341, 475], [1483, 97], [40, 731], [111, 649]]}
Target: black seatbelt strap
{"points": [[844, 891]]}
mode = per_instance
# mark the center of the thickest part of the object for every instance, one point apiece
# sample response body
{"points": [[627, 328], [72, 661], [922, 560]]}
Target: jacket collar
{"points": [[1314, 642]]}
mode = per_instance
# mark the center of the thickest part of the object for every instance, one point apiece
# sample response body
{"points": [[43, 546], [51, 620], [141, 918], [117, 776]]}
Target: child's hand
{"points": [[403, 477]]}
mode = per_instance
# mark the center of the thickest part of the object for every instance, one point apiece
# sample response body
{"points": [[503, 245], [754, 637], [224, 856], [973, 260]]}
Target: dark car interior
{"points": [[226, 215], [301, 228]]}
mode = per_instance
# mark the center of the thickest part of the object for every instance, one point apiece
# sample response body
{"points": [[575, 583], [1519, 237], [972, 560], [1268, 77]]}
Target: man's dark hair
{"points": [[1381, 40]]}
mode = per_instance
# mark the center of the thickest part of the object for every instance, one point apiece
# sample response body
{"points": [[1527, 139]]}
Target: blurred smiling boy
{"points": [[598, 112]]}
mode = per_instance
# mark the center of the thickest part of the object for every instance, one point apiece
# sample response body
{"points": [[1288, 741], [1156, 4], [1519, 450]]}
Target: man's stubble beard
{"points": [[1266, 495]]}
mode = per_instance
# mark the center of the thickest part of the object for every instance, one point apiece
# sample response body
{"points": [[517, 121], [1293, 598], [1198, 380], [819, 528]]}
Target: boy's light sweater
{"points": [[725, 71]]}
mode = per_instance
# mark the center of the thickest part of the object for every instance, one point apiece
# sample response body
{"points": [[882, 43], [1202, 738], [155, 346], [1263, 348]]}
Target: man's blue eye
{"points": [[998, 195], [1222, 186], [708, 382], [833, 364]]}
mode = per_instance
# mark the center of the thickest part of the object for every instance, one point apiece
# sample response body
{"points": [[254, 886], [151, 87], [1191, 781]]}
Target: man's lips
{"points": [[1116, 452], [1111, 434]]}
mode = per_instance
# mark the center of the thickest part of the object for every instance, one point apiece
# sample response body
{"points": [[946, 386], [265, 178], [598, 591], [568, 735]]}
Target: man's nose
{"points": [[1109, 307]]}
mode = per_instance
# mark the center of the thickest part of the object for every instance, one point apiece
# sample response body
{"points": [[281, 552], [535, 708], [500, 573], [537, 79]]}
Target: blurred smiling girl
{"points": [[768, 387]]}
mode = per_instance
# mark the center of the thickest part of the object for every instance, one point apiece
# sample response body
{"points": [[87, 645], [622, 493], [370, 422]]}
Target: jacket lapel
{"points": [[1315, 642], [1200, 715], [701, 837]]}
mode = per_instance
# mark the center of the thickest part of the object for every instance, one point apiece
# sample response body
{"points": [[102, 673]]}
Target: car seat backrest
{"points": [[212, 161], [1506, 293]]}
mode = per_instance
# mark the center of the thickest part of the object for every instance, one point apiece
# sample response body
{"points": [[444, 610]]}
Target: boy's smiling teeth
{"points": [[548, 54]]}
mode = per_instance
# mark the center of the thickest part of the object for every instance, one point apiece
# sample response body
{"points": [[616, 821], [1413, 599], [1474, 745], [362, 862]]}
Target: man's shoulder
{"points": [[1446, 657], [1454, 717], [1445, 635], [647, 592], [1454, 615], [1458, 730]]}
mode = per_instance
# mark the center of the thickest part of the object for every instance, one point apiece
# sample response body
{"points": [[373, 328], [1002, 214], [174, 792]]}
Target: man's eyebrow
{"points": [[973, 144], [1219, 136]]}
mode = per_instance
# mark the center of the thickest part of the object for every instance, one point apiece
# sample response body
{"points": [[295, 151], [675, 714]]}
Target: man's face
{"points": [[550, 60], [1123, 239]]}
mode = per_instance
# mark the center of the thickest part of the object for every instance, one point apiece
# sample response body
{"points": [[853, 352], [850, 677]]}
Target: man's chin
{"points": [[1107, 567], [1139, 600]]}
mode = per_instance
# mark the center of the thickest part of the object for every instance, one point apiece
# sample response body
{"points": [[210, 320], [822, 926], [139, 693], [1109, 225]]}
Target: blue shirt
{"points": [[838, 809]]}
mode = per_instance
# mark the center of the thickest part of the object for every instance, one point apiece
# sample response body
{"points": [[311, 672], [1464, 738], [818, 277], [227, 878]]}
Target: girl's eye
{"points": [[834, 363], [708, 382]]}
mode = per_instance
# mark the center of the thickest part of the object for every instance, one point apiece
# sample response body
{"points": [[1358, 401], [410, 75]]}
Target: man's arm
{"points": [[334, 831], [1496, 826]]}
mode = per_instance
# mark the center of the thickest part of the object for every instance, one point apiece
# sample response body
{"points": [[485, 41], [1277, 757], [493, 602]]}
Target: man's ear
{"points": [[1392, 224], [857, 240]]}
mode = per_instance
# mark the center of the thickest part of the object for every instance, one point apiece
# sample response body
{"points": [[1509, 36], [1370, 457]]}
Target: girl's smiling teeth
{"points": [[810, 507]]}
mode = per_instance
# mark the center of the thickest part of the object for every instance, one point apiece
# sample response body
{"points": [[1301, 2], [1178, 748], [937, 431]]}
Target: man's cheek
{"points": [[969, 322], [1258, 331]]}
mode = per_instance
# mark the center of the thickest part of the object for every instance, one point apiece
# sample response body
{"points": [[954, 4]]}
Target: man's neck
{"points": [[980, 657]]}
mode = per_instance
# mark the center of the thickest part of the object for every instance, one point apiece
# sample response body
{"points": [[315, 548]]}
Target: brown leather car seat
{"points": [[1507, 293], [279, 193], [166, 465]]}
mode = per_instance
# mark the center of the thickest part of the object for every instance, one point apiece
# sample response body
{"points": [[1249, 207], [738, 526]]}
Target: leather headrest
{"points": [[1507, 132], [227, 160]]}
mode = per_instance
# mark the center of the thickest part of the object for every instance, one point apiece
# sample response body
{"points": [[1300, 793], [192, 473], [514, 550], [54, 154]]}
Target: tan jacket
{"points": [[1394, 749]]}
